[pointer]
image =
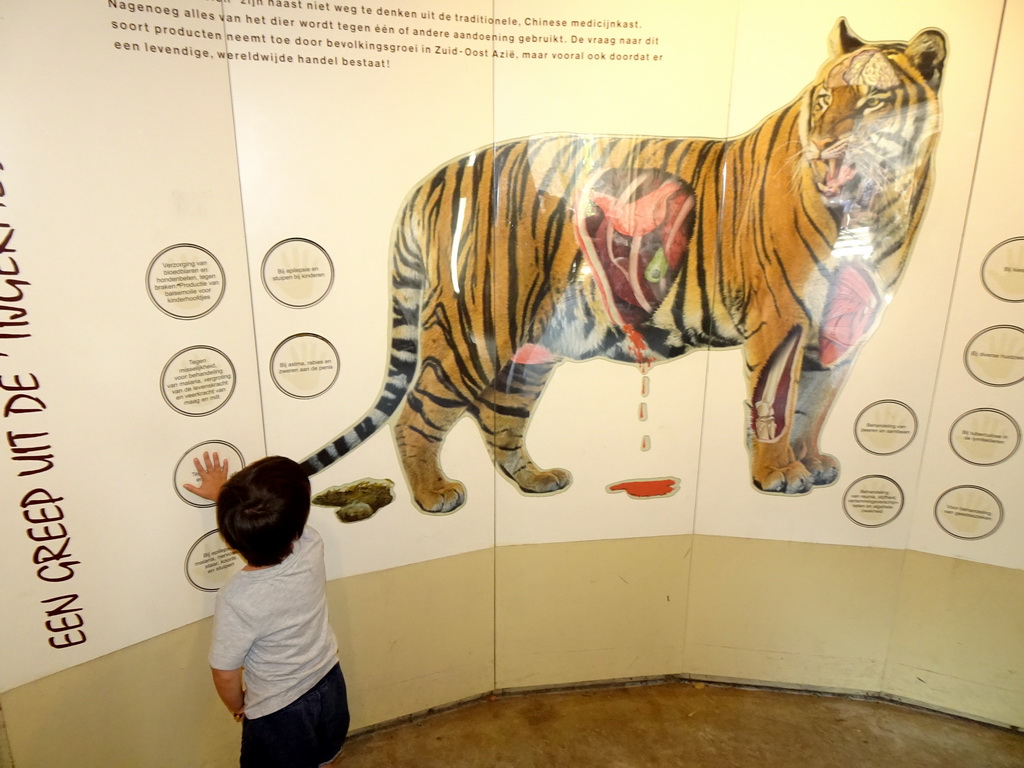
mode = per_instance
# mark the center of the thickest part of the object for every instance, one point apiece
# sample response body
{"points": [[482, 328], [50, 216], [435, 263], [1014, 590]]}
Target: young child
{"points": [[271, 618]]}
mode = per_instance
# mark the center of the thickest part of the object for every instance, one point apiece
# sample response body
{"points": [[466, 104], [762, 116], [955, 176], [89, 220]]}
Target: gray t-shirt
{"points": [[273, 622]]}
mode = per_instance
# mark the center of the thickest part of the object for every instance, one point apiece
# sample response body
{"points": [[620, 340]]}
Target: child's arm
{"points": [[212, 476], [229, 687]]}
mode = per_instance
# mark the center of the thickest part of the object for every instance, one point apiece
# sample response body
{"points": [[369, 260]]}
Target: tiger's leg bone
{"points": [[503, 412], [429, 412], [774, 467]]}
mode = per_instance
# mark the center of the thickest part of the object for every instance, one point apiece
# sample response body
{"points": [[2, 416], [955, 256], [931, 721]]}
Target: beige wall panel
{"points": [[790, 613], [594, 610], [6, 761], [958, 643], [417, 636], [410, 638], [151, 704]]}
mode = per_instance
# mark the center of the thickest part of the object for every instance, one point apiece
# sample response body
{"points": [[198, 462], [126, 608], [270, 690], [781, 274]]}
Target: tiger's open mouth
{"points": [[834, 169], [769, 411], [837, 175]]}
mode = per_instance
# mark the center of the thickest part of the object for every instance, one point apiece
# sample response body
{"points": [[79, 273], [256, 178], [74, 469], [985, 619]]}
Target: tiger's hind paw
{"points": [[824, 468], [536, 480], [442, 500], [792, 479]]}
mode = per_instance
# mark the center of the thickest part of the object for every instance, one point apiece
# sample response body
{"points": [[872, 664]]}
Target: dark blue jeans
{"points": [[307, 733]]}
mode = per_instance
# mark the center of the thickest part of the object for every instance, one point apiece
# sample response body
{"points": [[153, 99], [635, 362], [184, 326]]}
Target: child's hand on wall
{"points": [[213, 473]]}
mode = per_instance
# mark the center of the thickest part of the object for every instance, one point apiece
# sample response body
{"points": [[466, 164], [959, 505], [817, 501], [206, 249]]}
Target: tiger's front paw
{"points": [[824, 468], [441, 500], [790, 479]]}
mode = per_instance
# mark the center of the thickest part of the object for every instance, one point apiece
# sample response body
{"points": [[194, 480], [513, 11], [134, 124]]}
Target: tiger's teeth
{"points": [[765, 426]]}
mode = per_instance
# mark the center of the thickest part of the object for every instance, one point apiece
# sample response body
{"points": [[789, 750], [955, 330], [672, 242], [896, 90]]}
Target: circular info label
{"points": [[211, 562], [995, 356], [1002, 273], [304, 365], [873, 501], [968, 512], [185, 281], [984, 436], [885, 426], [185, 469], [297, 272], [197, 381]]}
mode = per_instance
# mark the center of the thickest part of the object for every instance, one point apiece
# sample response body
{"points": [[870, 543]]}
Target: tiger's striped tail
{"points": [[406, 292]]}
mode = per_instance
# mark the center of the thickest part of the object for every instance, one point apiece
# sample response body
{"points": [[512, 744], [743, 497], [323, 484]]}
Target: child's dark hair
{"points": [[263, 508]]}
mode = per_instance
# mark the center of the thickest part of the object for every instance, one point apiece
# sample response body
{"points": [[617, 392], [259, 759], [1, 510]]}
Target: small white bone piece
{"points": [[764, 425]]}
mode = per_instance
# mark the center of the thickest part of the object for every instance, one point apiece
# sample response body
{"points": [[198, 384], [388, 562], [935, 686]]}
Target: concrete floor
{"points": [[684, 725]]}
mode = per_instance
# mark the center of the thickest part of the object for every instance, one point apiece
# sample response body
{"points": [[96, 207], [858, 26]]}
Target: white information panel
{"points": [[970, 489], [226, 225]]}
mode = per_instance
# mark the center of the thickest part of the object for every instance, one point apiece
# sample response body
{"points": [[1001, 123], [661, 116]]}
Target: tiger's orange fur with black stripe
{"points": [[493, 278]]}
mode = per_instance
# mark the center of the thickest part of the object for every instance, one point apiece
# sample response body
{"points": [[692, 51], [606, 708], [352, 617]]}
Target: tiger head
{"points": [[871, 117]]}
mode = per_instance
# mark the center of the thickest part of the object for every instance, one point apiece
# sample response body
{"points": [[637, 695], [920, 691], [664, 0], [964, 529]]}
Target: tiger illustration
{"points": [[786, 241]]}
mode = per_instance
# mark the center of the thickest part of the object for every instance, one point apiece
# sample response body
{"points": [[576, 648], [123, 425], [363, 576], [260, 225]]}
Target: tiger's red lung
{"points": [[634, 227]]}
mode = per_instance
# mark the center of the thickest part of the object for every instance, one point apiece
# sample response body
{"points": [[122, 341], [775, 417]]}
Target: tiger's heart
{"points": [[852, 308]]}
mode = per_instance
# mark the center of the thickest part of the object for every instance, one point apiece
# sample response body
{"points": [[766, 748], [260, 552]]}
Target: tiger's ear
{"points": [[927, 53], [842, 39]]}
